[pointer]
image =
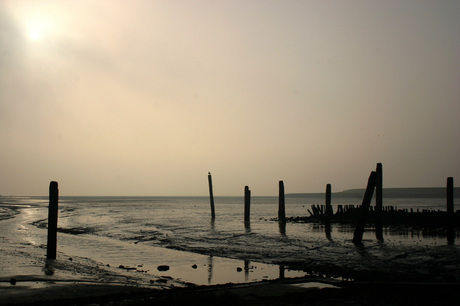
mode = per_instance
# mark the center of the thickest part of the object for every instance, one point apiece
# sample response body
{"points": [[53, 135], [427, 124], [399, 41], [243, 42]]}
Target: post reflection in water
{"points": [[210, 267], [247, 227], [282, 270], [282, 226], [327, 230], [246, 270], [213, 225]]}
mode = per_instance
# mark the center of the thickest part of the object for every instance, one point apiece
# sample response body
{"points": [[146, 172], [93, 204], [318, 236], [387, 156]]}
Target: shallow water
{"points": [[146, 232]]}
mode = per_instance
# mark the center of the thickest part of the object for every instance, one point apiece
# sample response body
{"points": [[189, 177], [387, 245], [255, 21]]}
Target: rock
{"points": [[13, 281], [239, 269], [163, 268], [194, 266]]}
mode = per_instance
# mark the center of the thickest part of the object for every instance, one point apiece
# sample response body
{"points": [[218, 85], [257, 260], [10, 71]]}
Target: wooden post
{"points": [[328, 213], [52, 221], [328, 205], [379, 203], [450, 211], [358, 234], [281, 203], [247, 205], [211, 196]]}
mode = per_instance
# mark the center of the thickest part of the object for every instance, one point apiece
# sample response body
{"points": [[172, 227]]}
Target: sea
{"points": [[178, 232]]}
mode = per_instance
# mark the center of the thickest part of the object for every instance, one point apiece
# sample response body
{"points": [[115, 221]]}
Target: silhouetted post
{"points": [[281, 203], [52, 221], [379, 203], [450, 211], [211, 196], [247, 205], [328, 205], [328, 212], [358, 234]]}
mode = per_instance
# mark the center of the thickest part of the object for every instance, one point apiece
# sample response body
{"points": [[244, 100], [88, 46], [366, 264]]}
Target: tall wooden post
{"points": [[358, 234], [247, 205], [450, 211], [281, 204], [211, 196], [379, 203], [329, 211], [52, 221]]}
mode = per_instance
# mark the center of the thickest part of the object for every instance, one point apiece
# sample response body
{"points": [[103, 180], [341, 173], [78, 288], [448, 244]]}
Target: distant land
{"points": [[432, 192]]}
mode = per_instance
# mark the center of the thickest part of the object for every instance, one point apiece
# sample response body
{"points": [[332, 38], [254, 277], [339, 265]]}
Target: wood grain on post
{"points": [[52, 221], [358, 234]]}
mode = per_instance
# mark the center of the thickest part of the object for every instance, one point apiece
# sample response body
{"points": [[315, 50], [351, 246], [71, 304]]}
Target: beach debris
{"points": [[13, 281], [163, 268], [194, 266], [239, 269]]}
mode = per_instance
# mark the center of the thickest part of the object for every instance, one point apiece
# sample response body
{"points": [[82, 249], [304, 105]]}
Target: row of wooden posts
{"points": [[374, 182]]}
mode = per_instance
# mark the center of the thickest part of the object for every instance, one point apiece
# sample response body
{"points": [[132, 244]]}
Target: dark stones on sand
{"points": [[163, 268], [239, 269], [194, 266], [13, 281]]}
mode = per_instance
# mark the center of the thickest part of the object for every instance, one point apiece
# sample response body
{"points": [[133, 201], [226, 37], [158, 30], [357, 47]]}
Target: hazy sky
{"points": [[146, 97]]}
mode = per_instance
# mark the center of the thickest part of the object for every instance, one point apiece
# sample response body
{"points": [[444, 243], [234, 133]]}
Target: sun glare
{"points": [[34, 34]]}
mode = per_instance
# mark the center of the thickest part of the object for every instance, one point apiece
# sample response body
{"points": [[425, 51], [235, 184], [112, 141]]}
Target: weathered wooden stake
{"points": [[358, 234], [211, 196], [247, 205], [52, 221], [450, 211], [329, 211], [281, 204], [379, 203]]}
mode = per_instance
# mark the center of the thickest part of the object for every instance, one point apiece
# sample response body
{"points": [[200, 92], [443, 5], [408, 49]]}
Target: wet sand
{"points": [[374, 273]]}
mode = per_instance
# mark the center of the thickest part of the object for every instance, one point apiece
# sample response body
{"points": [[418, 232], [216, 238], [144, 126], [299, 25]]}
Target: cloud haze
{"points": [[146, 97]]}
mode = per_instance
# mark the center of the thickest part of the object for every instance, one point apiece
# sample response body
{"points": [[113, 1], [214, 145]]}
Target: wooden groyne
{"points": [[390, 215]]}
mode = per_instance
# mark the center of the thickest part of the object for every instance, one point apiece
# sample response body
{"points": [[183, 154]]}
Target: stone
{"points": [[163, 268]]}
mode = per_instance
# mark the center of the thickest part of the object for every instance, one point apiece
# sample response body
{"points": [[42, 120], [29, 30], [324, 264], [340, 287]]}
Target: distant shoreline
{"points": [[418, 192], [432, 192]]}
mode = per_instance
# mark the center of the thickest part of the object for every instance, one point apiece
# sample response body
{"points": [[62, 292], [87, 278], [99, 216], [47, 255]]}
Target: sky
{"points": [[143, 98]]}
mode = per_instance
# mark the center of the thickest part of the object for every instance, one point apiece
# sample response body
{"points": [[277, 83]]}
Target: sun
{"points": [[35, 34]]}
